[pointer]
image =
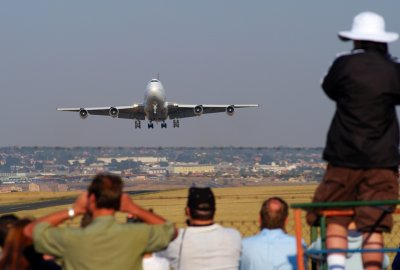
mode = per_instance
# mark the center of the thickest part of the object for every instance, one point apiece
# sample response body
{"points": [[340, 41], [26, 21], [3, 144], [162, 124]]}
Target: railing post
{"points": [[299, 244], [313, 238], [324, 265]]}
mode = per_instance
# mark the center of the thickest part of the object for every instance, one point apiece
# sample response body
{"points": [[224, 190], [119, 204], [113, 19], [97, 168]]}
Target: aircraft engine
{"points": [[230, 110], [114, 112], [198, 110], [83, 113]]}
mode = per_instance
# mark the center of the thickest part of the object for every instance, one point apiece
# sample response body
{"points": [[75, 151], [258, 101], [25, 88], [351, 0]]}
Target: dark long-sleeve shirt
{"points": [[364, 132]]}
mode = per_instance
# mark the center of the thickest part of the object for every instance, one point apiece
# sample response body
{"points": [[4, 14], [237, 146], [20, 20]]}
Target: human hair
{"points": [[371, 45], [13, 257], [107, 190], [273, 213], [201, 214], [6, 221]]}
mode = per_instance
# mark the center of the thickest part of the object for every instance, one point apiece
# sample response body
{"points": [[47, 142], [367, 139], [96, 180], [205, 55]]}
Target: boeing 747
{"points": [[155, 108]]}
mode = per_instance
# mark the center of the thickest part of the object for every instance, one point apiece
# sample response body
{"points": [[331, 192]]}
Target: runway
{"points": [[50, 203]]}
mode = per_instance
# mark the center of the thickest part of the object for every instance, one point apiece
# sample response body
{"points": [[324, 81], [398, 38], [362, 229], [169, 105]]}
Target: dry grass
{"points": [[30, 197], [237, 206]]}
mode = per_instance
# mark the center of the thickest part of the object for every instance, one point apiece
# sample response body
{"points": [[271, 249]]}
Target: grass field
{"points": [[29, 197], [237, 205]]}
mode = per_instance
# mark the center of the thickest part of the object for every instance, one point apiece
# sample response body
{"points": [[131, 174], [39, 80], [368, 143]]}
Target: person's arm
{"points": [[59, 217], [397, 92], [330, 82], [128, 206]]}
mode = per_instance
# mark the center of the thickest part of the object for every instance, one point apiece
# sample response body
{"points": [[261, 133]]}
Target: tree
{"points": [[266, 159], [90, 160], [243, 172]]}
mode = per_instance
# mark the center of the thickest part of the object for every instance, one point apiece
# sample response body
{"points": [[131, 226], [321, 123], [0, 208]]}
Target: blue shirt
{"points": [[269, 250]]}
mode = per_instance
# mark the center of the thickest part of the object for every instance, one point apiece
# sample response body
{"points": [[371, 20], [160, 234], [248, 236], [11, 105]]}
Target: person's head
{"points": [[200, 206], [105, 192], [274, 213], [6, 222], [368, 32], [15, 245]]}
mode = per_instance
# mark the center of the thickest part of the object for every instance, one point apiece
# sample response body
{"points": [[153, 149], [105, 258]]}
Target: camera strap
{"points": [[180, 250]]}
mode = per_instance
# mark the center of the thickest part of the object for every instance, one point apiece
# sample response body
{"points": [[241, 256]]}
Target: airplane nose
{"points": [[153, 92]]}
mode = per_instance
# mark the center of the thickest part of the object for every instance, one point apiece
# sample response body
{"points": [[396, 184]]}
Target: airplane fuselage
{"points": [[155, 102]]}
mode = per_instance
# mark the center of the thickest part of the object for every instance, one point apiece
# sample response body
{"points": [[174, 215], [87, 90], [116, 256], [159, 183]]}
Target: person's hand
{"points": [[81, 204], [127, 205]]}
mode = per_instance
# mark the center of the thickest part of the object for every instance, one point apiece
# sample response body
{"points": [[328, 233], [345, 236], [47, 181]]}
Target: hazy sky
{"points": [[102, 53]]}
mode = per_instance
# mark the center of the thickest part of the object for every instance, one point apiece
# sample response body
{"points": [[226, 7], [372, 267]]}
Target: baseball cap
{"points": [[201, 199]]}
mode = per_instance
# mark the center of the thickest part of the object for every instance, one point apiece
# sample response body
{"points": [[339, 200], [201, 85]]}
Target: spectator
{"points": [[272, 248], [362, 147], [353, 260], [103, 243], [396, 261], [153, 262], [19, 253], [203, 244], [150, 260], [6, 222]]}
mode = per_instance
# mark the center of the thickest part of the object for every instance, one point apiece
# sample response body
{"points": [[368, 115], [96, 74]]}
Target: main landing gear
{"points": [[175, 123], [138, 124], [150, 125]]}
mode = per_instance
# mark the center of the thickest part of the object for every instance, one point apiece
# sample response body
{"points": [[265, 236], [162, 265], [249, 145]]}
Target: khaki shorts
{"points": [[345, 184]]}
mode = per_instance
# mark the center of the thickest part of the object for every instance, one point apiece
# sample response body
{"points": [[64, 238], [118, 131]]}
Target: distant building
{"points": [[192, 169], [94, 168], [143, 159], [62, 187], [273, 167], [55, 169], [32, 187], [154, 170], [10, 188], [108, 160], [44, 188]]}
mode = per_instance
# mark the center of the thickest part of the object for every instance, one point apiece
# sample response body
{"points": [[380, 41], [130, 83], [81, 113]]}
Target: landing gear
{"points": [[150, 125], [163, 125], [175, 123], [138, 124]]}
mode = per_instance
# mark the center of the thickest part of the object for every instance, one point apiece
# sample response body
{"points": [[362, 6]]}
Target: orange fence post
{"points": [[331, 213], [299, 244]]}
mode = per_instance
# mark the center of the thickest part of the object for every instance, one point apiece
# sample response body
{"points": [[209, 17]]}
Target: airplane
{"points": [[156, 108]]}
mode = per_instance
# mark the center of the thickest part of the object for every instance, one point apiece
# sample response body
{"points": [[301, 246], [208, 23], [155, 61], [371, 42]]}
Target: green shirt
{"points": [[103, 245]]}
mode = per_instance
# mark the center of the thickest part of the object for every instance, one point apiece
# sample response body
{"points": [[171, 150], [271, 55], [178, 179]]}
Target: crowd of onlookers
{"points": [[147, 241]]}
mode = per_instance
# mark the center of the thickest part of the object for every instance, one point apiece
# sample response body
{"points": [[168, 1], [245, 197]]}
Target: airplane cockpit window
{"points": [[154, 80]]}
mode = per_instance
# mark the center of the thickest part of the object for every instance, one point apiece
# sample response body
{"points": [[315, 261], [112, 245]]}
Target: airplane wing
{"points": [[177, 111], [135, 111]]}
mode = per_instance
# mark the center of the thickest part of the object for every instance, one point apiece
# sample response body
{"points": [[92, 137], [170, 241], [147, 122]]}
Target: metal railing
{"points": [[328, 209]]}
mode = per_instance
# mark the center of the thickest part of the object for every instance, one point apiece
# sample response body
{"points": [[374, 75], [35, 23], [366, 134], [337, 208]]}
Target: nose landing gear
{"points": [[163, 125], [175, 123], [150, 125]]}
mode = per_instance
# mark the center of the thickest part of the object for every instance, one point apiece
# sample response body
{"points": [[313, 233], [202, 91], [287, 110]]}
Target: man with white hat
{"points": [[362, 148]]}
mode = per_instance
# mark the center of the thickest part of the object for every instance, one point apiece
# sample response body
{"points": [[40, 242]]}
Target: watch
{"points": [[71, 212]]}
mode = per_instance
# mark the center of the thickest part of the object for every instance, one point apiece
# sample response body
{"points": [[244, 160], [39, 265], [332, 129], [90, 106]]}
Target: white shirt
{"points": [[155, 263], [211, 247]]}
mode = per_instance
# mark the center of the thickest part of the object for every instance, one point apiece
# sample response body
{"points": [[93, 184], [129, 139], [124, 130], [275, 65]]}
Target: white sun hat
{"points": [[369, 26]]}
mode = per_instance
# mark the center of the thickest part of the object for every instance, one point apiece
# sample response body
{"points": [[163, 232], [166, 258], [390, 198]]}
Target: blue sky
{"points": [[103, 53]]}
